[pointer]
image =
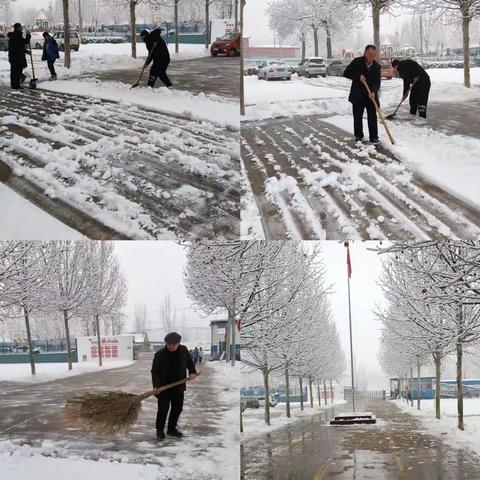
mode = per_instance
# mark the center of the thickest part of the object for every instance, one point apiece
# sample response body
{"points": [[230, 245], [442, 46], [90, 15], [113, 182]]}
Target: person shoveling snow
{"points": [[416, 81], [17, 55], [158, 52]]}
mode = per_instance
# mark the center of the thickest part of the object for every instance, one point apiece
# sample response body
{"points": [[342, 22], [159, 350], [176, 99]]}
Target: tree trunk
{"points": [[331, 392], [437, 360], [460, 369], [329, 40], [99, 341], [301, 392], [242, 70], [411, 386], [287, 391], [133, 27], [318, 393], [267, 395], [419, 385], [207, 23], [376, 6], [176, 27], [228, 339], [29, 340], [67, 335], [304, 46], [66, 29], [325, 391], [315, 39], [466, 49], [310, 384], [236, 14], [80, 18], [234, 334]]}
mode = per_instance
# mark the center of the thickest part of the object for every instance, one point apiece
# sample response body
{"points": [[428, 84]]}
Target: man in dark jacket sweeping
{"points": [[170, 365], [158, 52], [413, 74], [367, 69], [17, 51], [50, 53]]}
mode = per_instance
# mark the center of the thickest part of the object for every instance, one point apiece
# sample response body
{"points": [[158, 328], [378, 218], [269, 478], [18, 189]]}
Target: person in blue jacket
{"points": [[50, 53]]}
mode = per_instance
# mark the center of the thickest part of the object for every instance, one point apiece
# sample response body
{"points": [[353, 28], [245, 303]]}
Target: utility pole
{"points": [[80, 18]]}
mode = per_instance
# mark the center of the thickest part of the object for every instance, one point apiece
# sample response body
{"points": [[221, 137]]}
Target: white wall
{"points": [[113, 348]]}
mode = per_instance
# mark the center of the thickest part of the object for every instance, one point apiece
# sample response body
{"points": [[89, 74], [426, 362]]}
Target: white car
{"points": [[274, 69], [74, 40], [37, 40], [312, 67]]}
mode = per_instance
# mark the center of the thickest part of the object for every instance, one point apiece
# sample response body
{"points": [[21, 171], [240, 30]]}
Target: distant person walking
{"points": [[364, 69], [414, 76], [17, 55], [50, 54], [159, 54], [200, 355], [170, 365]]}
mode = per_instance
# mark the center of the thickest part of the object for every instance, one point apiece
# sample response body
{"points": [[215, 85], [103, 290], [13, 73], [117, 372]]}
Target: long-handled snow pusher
{"points": [[108, 412], [389, 117], [379, 112], [33, 80]]}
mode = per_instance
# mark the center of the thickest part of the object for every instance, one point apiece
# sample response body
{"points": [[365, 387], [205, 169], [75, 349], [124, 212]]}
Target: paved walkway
{"points": [[33, 414], [395, 449], [310, 182]]}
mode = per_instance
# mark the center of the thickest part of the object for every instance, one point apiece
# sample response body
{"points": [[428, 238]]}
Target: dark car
{"points": [[3, 43], [251, 402], [228, 45], [336, 68]]}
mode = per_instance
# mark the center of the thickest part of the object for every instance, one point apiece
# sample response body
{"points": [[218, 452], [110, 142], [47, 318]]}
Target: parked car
{"points": [[74, 41], [6, 349], [312, 67], [3, 42], [273, 401], [228, 45], [251, 402], [37, 40], [336, 68], [25, 349], [272, 69]]}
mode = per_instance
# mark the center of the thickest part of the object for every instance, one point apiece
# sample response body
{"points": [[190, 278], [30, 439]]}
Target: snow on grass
{"points": [[20, 372], [446, 427], [431, 154], [254, 424], [188, 105], [21, 220]]}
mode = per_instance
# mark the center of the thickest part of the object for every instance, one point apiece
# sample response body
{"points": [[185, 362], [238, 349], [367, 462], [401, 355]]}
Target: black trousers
{"points": [[358, 109], [16, 73], [159, 70], [419, 98], [51, 67], [173, 400]]}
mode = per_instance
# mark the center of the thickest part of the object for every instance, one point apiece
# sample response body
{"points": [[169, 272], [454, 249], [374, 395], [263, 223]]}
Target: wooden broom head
{"points": [[104, 412]]}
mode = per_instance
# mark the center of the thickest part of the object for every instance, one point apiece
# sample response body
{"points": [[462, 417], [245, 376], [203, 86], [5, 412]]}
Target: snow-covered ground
{"points": [[254, 424], [20, 372], [35, 224], [446, 427]]}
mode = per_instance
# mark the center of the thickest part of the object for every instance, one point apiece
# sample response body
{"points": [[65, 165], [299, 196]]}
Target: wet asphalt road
{"points": [[396, 448], [209, 75], [32, 414]]}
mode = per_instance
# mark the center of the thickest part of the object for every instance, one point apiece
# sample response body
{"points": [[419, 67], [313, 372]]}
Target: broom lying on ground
{"points": [[108, 412]]}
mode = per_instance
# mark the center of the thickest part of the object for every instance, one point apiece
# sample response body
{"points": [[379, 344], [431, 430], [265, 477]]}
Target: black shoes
{"points": [[160, 434], [174, 432]]}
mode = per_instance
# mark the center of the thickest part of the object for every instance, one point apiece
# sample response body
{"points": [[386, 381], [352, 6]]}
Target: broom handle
{"points": [[150, 55], [31, 59], [404, 98], [380, 113], [165, 387]]}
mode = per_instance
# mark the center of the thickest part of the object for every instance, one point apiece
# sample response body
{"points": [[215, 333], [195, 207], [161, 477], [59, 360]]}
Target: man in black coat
{"points": [[170, 365], [158, 52], [367, 69], [17, 51], [413, 74]]}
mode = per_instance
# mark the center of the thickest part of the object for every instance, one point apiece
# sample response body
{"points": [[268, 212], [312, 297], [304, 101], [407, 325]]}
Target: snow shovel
{"points": [[389, 117], [379, 112], [135, 85], [33, 80], [108, 412]]}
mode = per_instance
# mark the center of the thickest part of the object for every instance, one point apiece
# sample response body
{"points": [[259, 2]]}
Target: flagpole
{"points": [[349, 271]]}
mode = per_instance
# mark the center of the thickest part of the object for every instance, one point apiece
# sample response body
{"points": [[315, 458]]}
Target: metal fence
{"points": [[347, 393]]}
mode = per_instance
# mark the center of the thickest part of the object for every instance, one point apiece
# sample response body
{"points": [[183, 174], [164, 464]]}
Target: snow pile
{"points": [[251, 219], [20, 372], [254, 424], [446, 427]]}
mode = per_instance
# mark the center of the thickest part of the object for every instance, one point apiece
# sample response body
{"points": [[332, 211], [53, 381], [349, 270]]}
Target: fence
{"points": [[54, 357], [347, 392]]}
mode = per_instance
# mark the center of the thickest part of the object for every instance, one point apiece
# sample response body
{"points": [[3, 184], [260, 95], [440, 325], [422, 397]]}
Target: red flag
{"points": [[349, 263], [238, 324]]}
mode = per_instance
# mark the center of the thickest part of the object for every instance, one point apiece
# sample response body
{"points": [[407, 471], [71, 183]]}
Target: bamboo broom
{"points": [[108, 412]]}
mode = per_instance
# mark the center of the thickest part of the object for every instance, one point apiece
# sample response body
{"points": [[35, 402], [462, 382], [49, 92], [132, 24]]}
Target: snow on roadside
{"points": [[20, 372], [446, 427], [35, 224], [431, 154], [251, 220], [188, 105], [254, 425]]}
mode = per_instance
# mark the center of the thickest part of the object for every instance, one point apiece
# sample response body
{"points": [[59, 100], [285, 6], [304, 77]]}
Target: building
{"points": [[268, 51], [41, 23], [218, 329]]}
